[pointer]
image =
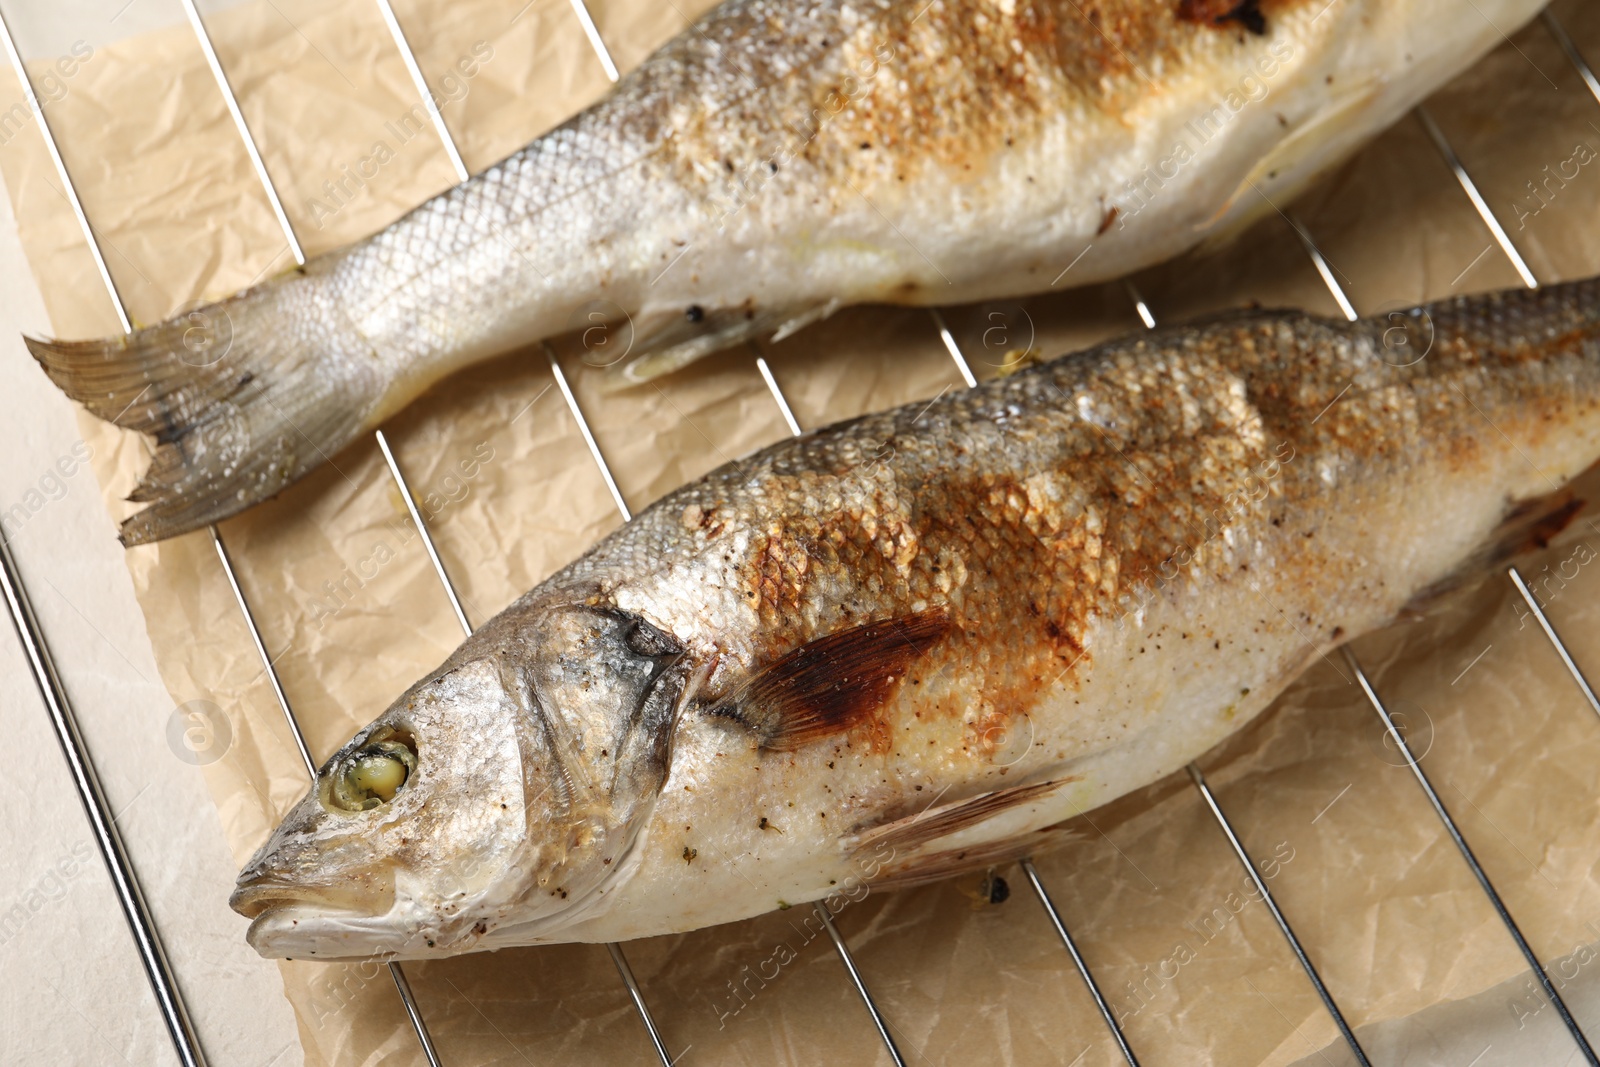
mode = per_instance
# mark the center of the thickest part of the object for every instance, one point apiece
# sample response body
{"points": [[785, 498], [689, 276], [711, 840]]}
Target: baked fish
{"points": [[776, 161], [920, 641]]}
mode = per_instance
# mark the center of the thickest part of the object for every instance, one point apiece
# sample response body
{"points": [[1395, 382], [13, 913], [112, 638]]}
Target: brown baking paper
{"points": [[351, 611]]}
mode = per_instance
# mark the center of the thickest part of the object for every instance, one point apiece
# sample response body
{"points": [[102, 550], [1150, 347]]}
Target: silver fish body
{"points": [[920, 641], [777, 161]]}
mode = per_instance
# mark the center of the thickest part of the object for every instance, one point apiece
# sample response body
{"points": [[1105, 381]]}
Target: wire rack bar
{"points": [[269, 666], [1078, 961], [588, 436], [637, 996], [228, 98], [423, 92], [591, 31], [1510, 924], [1467, 854], [1555, 639], [954, 349], [422, 528], [261, 651], [1439, 808], [396, 972], [419, 1026], [401, 984], [1575, 57], [861, 986], [1277, 915], [777, 394], [102, 822], [1470, 187], [1493, 224], [1139, 306], [1329, 279]]}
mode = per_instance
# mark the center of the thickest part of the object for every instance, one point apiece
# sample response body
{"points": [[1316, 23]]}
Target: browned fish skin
{"points": [[1117, 558], [1062, 496]]}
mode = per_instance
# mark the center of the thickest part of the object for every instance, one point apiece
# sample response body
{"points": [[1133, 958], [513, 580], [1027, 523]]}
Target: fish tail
{"points": [[242, 397]]}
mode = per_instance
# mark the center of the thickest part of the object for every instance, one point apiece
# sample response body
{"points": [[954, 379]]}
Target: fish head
{"points": [[493, 803]]}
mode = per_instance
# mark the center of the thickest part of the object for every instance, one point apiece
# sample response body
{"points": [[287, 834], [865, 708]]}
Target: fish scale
{"points": [[919, 642]]}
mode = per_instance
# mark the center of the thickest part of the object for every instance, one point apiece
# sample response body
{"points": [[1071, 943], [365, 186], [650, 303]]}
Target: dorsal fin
{"points": [[832, 684]]}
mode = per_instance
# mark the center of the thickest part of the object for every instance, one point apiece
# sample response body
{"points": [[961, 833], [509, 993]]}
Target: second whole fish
{"points": [[919, 642], [778, 160]]}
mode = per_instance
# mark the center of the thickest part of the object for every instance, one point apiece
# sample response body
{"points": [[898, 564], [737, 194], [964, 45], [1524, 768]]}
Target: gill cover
{"points": [[597, 692]]}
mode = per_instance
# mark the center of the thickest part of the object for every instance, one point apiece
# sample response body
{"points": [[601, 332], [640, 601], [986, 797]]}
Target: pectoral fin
{"points": [[1291, 165], [833, 684], [806, 318], [929, 867], [669, 339], [976, 832]]}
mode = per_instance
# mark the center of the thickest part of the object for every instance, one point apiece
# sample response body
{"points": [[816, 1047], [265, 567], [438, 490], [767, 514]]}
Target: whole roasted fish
{"points": [[777, 160], [917, 642]]}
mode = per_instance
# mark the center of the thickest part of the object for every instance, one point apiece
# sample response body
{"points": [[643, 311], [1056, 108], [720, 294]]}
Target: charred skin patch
{"points": [[883, 95], [1246, 13], [1024, 563]]}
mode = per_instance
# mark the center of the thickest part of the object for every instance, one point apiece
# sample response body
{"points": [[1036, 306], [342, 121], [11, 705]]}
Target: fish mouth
{"points": [[255, 896], [301, 922], [319, 922], [298, 930], [252, 899]]}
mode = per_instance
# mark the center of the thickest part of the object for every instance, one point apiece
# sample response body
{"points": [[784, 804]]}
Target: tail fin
{"points": [[243, 397]]}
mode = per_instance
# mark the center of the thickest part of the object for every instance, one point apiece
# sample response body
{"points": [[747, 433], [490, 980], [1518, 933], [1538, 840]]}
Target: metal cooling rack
{"points": [[147, 939]]}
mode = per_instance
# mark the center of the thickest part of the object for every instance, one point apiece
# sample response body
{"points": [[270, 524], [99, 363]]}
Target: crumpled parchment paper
{"points": [[351, 610]]}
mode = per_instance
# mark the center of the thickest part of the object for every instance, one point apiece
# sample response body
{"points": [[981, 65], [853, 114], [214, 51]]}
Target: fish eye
{"points": [[370, 776]]}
